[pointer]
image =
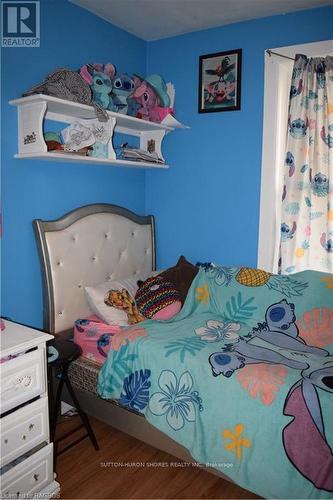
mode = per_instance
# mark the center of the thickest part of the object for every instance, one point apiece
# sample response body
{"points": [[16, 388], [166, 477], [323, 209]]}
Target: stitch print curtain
{"points": [[307, 201]]}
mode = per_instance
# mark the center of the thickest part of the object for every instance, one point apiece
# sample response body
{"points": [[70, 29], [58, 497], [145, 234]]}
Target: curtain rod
{"points": [[270, 52]]}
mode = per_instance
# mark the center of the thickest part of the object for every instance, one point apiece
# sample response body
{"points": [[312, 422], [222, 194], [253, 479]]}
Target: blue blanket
{"points": [[242, 377]]}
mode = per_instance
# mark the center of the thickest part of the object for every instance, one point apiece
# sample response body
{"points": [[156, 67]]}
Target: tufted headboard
{"points": [[86, 247]]}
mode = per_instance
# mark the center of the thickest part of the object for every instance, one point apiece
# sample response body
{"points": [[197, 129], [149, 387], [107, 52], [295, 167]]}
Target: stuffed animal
{"points": [[152, 95], [157, 298], [53, 141], [122, 300], [123, 86], [133, 106], [100, 78]]}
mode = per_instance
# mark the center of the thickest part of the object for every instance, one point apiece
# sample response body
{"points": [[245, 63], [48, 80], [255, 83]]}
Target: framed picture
{"points": [[220, 81]]}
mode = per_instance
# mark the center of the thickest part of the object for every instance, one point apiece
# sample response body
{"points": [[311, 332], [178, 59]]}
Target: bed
{"points": [[87, 246], [242, 377]]}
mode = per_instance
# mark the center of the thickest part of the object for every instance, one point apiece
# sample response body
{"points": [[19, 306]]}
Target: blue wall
{"points": [[70, 37], [207, 204]]}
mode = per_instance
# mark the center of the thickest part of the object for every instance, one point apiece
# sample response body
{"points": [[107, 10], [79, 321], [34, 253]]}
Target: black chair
{"points": [[67, 352]]}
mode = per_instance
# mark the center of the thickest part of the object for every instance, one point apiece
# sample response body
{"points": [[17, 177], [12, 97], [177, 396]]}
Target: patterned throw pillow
{"points": [[182, 275], [158, 298]]}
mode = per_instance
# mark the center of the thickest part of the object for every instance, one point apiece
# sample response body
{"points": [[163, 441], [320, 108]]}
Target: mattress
{"points": [[83, 374]]}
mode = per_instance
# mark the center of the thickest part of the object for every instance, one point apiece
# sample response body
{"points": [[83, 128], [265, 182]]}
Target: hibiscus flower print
{"points": [[177, 401], [215, 331]]}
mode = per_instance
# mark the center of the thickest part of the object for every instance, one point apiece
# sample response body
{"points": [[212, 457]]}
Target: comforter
{"points": [[242, 377]]}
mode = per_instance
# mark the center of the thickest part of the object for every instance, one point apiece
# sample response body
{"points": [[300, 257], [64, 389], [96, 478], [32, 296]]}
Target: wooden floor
{"points": [[84, 473]]}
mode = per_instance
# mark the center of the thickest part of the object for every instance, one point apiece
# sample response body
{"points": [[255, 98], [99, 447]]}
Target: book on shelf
{"points": [[137, 154]]}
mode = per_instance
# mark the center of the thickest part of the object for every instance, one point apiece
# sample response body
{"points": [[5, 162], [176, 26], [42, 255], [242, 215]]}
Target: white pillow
{"points": [[96, 295]]}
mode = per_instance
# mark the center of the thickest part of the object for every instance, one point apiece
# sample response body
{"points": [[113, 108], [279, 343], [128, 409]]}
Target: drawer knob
{"points": [[24, 437], [36, 477], [5, 441], [31, 426], [24, 381]]}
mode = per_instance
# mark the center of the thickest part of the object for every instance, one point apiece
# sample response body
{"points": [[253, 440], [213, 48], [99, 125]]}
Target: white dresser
{"points": [[26, 452]]}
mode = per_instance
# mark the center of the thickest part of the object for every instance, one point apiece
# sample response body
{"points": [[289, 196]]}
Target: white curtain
{"points": [[307, 201]]}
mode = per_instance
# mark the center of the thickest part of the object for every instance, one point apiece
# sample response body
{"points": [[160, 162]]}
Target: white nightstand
{"points": [[25, 449]]}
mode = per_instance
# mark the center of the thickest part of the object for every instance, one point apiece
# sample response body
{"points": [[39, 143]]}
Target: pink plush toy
{"points": [[152, 95]]}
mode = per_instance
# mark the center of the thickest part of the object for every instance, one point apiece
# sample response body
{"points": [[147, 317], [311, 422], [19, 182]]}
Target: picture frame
{"points": [[220, 81]]}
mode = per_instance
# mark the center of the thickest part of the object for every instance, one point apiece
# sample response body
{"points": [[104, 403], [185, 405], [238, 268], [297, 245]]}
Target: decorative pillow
{"points": [[113, 301], [181, 275], [158, 298]]}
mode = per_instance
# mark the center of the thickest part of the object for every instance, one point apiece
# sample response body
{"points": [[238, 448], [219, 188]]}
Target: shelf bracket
{"points": [[111, 151], [151, 141], [30, 127]]}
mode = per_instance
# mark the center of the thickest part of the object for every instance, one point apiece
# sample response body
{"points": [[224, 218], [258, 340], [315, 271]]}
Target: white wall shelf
{"points": [[69, 157], [33, 110]]}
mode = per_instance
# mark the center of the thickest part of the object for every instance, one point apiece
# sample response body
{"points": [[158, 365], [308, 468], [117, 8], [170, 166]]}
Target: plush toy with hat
{"points": [[151, 93]]}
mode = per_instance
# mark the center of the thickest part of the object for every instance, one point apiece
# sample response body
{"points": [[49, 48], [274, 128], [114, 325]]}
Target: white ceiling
{"points": [[155, 19]]}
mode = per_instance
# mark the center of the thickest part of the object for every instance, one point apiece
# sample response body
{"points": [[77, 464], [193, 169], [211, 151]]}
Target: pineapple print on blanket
{"points": [[276, 341], [257, 277], [251, 277]]}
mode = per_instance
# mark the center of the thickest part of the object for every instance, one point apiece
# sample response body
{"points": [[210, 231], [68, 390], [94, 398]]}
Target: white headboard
{"points": [[86, 247]]}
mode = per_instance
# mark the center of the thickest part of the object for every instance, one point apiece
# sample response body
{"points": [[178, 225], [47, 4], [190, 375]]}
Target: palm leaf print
{"points": [[290, 287], [221, 275], [237, 310], [121, 366], [135, 393], [183, 347]]}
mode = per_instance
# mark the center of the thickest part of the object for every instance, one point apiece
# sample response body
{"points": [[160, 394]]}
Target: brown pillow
{"points": [[181, 275]]}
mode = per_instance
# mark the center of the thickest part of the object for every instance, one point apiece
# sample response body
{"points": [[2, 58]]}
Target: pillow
{"points": [[113, 301], [158, 298], [181, 275]]}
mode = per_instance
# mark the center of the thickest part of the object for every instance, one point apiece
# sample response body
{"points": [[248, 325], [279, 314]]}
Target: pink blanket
{"points": [[96, 338]]}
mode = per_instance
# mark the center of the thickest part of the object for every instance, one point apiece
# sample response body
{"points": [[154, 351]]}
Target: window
{"points": [[278, 72]]}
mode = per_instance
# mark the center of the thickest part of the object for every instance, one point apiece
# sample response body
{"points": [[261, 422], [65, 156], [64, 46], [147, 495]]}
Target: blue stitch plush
{"points": [[100, 78], [123, 86]]}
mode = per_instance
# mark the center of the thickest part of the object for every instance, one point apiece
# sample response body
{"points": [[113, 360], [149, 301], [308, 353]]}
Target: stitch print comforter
{"points": [[242, 377]]}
